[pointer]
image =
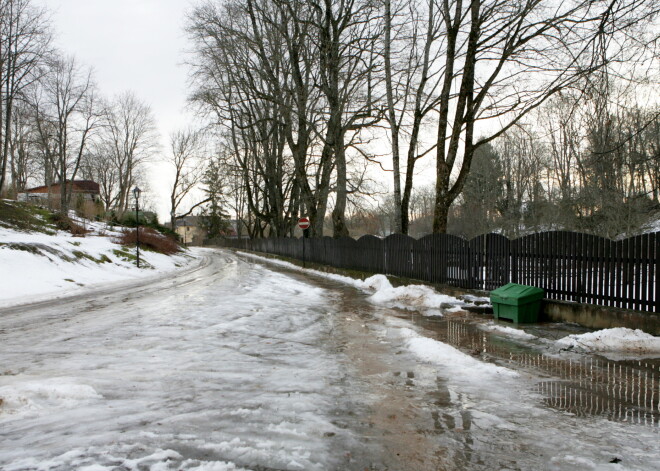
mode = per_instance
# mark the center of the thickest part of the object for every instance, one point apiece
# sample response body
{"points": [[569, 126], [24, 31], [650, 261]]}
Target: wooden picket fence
{"points": [[569, 266]]}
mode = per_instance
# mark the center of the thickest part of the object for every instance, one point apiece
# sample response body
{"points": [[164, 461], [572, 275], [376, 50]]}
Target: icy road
{"points": [[240, 365]]}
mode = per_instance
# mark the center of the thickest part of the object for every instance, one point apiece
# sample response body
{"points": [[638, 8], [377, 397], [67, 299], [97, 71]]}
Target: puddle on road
{"points": [[410, 420], [626, 391], [586, 385]]}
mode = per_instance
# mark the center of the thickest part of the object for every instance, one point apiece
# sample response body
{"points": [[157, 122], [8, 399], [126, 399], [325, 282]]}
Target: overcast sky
{"points": [[135, 45]]}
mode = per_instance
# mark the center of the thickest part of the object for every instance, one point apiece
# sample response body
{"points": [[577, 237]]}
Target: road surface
{"points": [[237, 364]]}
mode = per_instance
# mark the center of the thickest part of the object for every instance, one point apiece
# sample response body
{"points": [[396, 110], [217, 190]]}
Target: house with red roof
{"points": [[87, 190]]}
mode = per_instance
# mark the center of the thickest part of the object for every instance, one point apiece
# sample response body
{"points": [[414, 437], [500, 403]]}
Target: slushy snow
{"points": [[234, 367], [413, 297], [508, 331], [451, 359], [231, 364]]}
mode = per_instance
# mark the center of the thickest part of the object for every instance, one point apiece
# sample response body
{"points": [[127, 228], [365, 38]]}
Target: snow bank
{"points": [[403, 296], [619, 339], [412, 297], [36, 266]]}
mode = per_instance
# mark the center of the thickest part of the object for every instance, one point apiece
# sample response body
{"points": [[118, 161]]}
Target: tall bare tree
{"points": [[24, 44], [66, 115], [502, 60], [349, 69], [411, 51], [187, 156], [129, 139], [23, 149]]}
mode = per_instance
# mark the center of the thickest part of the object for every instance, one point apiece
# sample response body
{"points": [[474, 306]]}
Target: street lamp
{"points": [[136, 193]]}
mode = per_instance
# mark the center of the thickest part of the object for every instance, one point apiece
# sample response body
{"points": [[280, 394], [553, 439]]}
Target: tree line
{"points": [[511, 98], [55, 126]]}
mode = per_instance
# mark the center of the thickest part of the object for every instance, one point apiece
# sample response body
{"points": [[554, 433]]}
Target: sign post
{"points": [[304, 224]]}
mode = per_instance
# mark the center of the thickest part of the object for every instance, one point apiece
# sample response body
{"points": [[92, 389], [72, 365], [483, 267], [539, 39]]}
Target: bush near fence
{"points": [[569, 266]]}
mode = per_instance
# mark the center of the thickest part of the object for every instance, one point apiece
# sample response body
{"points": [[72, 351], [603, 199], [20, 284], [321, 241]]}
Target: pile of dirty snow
{"points": [[36, 266], [416, 296], [618, 340]]}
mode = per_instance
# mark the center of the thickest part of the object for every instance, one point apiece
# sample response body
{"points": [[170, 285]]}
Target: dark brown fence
{"points": [[569, 266]]}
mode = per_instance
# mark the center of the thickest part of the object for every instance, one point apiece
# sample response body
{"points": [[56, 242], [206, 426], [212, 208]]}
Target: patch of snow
{"points": [[452, 359], [508, 331], [192, 465], [26, 396], [476, 299], [415, 296], [653, 225], [616, 340]]}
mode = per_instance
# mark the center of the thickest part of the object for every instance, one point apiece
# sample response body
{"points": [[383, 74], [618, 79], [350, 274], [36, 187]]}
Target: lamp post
{"points": [[136, 193]]}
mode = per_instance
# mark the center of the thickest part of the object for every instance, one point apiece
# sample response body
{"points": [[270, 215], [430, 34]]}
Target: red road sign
{"points": [[303, 223]]}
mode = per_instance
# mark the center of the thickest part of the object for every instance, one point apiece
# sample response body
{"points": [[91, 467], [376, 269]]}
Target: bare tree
{"points": [[24, 43], [66, 115], [23, 149], [187, 157], [238, 75], [349, 66], [97, 165], [503, 60], [129, 139], [293, 82], [411, 36]]}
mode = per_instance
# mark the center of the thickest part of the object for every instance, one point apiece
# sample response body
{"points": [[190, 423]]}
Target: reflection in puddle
{"points": [[568, 397], [625, 391]]}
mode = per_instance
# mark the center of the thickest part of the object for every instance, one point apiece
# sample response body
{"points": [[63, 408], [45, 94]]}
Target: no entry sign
{"points": [[303, 223]]}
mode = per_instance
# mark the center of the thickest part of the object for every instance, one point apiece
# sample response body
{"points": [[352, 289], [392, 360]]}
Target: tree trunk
{"points": [[338, 214], [391, 117]]}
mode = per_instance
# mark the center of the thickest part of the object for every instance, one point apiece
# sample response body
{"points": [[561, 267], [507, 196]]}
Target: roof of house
{"points": [[84, 186]]}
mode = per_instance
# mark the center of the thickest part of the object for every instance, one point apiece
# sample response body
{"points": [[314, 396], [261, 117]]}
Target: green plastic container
{"points": [[519, 303]]}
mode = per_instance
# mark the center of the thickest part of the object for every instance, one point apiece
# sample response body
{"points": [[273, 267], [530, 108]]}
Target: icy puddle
{"points": [[490, 404], [585, 385]]}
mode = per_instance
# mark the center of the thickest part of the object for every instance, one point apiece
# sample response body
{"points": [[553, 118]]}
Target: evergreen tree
{"points": [[213, 218]]}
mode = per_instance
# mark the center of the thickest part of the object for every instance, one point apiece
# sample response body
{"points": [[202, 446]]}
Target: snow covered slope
{"points": [[35, 266]]}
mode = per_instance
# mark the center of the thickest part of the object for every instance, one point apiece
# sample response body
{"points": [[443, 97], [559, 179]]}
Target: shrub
{"points": [[150, 239]]}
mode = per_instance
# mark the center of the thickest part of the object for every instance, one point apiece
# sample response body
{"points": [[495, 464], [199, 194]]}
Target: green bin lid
{"points": [[514, 293]]}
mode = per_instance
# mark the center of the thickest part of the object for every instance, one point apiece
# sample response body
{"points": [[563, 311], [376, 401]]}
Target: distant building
{"points": [[190, 230], [86, 190], [232, 232]]}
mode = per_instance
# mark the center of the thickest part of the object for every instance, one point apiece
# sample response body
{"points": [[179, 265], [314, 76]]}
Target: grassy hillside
{"points": [[26, 217]]}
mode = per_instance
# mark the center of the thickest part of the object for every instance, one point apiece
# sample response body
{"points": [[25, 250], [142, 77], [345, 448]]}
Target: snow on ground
{"points": [[616, 340], [236, 368], [413, 297], [456, 362], [635, 344], [508, 331], [36, 266], [232, 368]]}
